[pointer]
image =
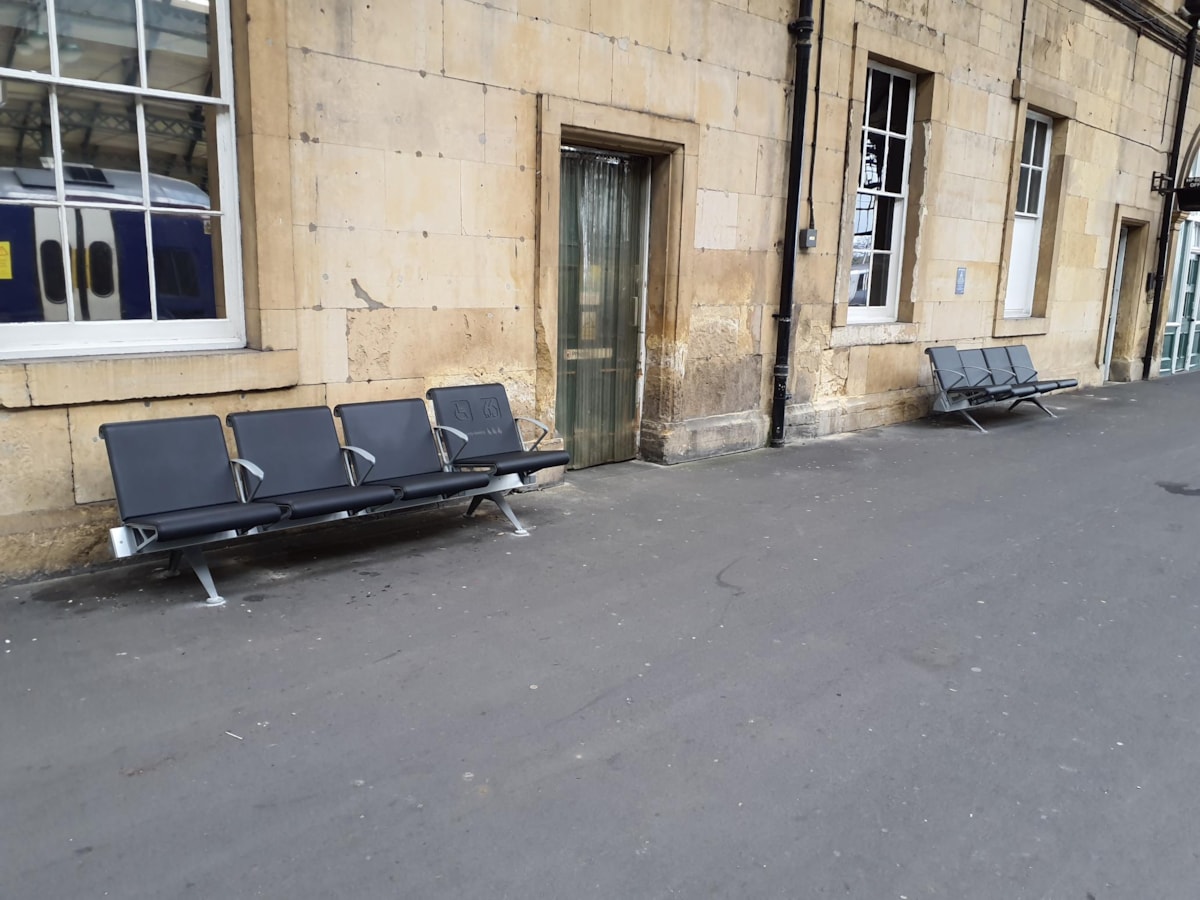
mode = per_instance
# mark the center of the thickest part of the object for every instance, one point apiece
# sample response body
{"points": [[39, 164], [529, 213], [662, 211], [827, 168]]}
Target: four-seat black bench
{"points": [[969, 379], [178, 490]]}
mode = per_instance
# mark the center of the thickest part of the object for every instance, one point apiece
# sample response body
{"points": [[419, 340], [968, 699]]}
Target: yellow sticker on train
{"points": [[5, 261]]}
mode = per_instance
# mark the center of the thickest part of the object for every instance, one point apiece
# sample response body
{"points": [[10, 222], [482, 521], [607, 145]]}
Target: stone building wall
{"points": [[1111, 92], [399, 181]]}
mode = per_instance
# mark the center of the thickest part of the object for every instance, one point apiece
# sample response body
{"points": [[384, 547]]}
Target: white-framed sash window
{"points": [[1027, 217], [882, 197], [118, 183]]}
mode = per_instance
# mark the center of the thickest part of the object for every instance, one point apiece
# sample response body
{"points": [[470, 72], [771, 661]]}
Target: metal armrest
{"points": [[536, 424], [449, 454], [1030, 369], [242, 468], [348, 452], [943, 375]]}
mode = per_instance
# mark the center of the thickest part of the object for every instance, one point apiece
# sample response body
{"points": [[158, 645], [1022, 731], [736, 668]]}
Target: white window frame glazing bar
{"points": [[45, 340]]}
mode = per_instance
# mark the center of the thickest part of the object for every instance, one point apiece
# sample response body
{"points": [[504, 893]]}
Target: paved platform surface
{"points": [[913, 662]]}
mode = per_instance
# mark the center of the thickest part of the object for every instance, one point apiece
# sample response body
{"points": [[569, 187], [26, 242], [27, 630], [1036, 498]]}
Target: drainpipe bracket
{"points": [[801, 28]]}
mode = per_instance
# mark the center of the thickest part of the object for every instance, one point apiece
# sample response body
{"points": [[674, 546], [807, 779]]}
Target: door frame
{"points": [[1114, 301], [671, 145], [1127, 289]]}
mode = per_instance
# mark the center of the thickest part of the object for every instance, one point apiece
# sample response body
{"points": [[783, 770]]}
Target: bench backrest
{"points": [[947, 367], [396, 432], [999, 365], [482, 412], [975, 368], [1022, 363], [167, 465], [297, 449]]}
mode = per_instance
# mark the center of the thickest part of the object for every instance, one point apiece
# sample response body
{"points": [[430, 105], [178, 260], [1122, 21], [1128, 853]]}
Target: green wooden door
{"points": [[601, 280]]}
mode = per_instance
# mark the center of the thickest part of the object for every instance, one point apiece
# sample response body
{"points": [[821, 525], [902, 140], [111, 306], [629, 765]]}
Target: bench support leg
{"points": [[497, 498], [1036, 402], [970, 418], [195, 558]]}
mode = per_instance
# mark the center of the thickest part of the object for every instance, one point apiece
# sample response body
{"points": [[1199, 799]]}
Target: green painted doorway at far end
{"points": [[603, 219]]}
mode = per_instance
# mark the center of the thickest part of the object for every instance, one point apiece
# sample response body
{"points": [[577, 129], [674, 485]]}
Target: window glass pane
{"points": [[884, 224], [178, 46], [50, 265], [879, 280], [1023, 191], [1039, 143], [100, 146], [123, 230], [100, 268], [98, 41], [864, 226], [29, 33], [183, 268], [900, 89], [20, 296], [121, 290], [894, 180], [1027, 148], [177, 147], [858, 283], [872, 164], [25, 137], [877, 98], [1034, 205]]}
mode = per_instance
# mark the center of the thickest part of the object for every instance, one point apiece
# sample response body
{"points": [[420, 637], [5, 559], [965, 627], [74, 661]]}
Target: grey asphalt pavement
{"points": [[913, 662]]}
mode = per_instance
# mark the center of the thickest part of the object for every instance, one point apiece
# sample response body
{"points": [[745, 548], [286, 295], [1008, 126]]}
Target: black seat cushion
{"points": [[333, 500], [520, 461], [436, 484], [187, 523]]}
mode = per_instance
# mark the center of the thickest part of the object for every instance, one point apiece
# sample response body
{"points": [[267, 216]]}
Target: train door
{"points": [[93, 265]]}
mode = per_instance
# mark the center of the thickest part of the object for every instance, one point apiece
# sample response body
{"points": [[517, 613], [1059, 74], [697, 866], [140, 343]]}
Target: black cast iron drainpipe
{"points": [[802, 30], [1191, 9]]}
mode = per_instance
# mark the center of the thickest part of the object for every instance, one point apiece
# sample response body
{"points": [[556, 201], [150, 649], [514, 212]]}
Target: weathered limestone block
{"points": [[35, 455], [34, 544], [323, 357], [411, 343], [720, 385]]}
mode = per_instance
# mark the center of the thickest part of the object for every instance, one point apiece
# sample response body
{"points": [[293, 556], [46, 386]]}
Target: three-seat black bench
{"points": [[969, 379]]}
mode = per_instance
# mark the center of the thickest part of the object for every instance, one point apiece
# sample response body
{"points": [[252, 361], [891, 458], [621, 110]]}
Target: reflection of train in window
{"points": [[109, 276]]}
